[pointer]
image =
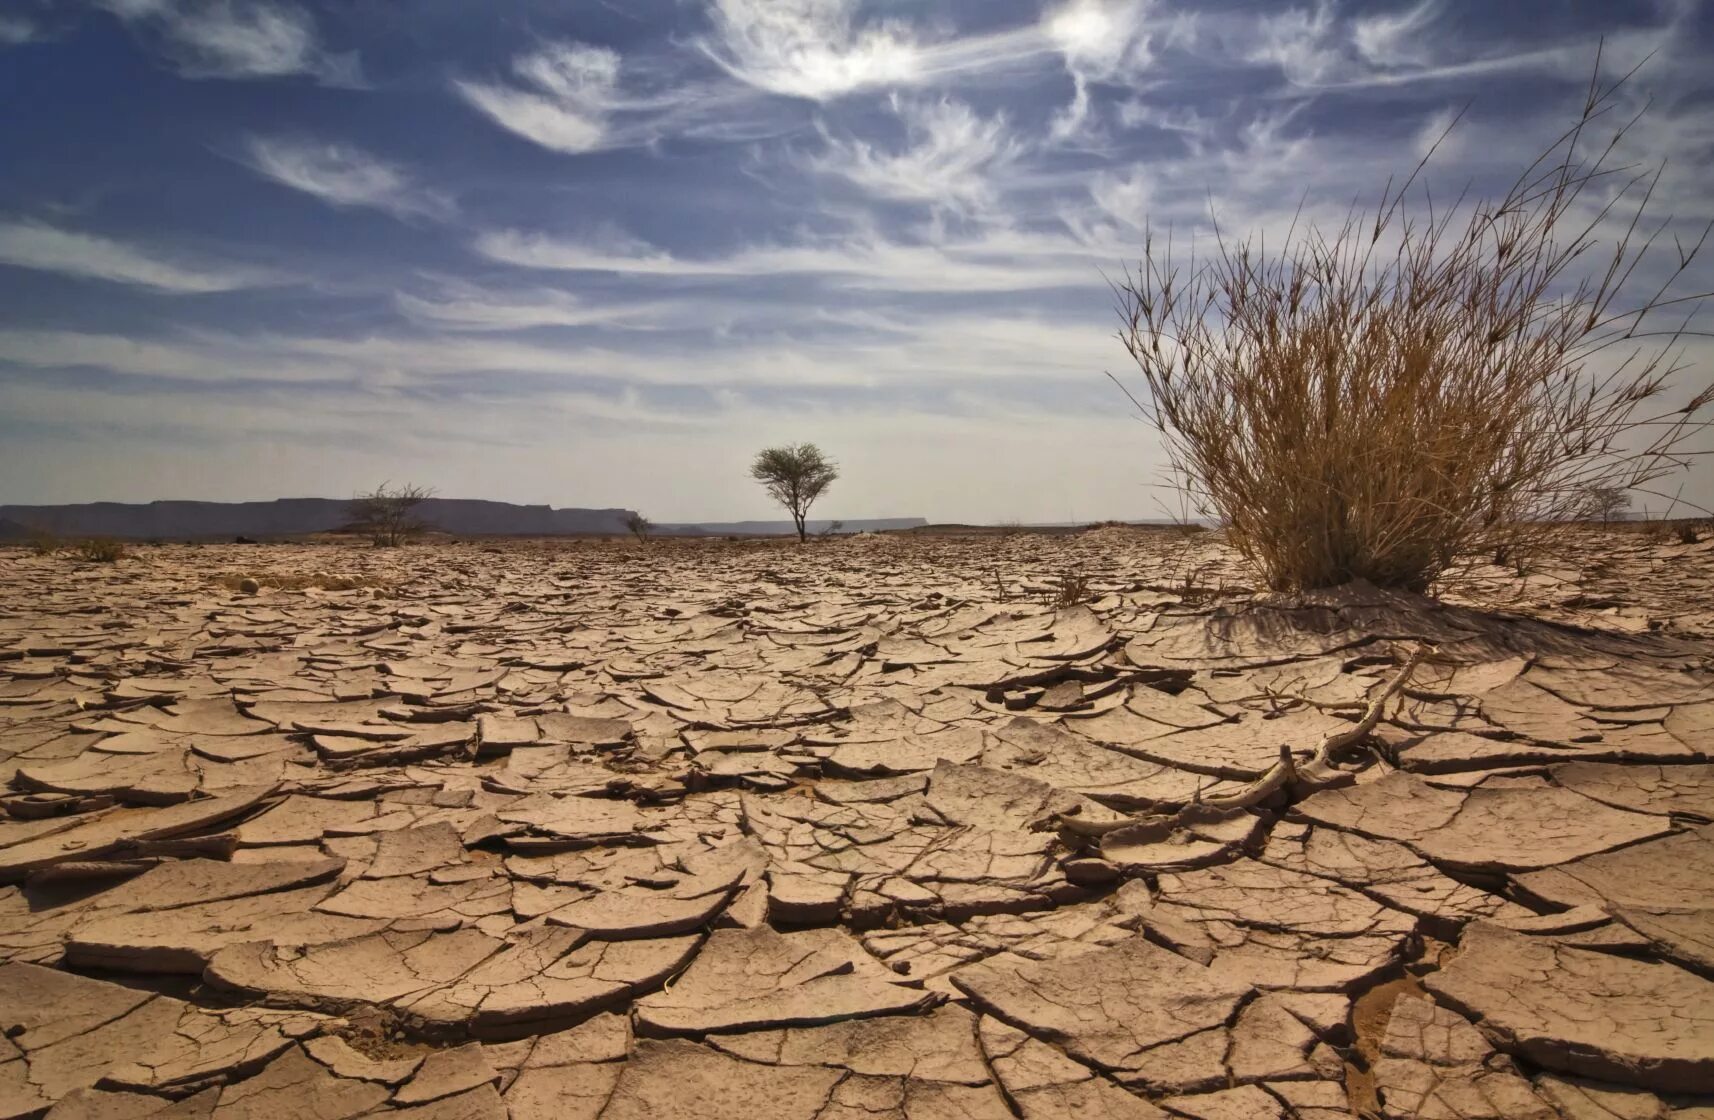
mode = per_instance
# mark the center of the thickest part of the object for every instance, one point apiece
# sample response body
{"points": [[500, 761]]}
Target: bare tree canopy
{"points": [[386, 514], [1606, 503], [795, 476], [1380, 400], [639, 526]]}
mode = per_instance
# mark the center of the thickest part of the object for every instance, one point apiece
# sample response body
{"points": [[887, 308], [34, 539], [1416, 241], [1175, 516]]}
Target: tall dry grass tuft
{"points": [[1421, 387]]}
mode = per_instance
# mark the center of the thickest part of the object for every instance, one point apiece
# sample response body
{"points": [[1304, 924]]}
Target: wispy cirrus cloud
{"points": [[1397, 38], [46, 248], [829, 50], [815, 49], [16, 29], [1099, 40], [575, 98], [561, 99], [1322, 48], [457, 305], [885, 225], [995, 260], [237, 39], [343, 175], [952, 157]]}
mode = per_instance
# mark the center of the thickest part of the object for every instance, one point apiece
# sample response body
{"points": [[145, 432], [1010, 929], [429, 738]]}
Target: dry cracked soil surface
{"points": [[926, 827]]}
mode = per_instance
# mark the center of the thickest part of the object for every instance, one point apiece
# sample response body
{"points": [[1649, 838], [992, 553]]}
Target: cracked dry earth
{"points": [[747, 830]]}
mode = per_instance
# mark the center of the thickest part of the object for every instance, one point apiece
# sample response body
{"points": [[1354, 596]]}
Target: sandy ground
{"points": [[879, 827]]}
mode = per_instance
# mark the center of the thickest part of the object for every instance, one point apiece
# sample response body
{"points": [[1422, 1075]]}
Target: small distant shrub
{"points": [[639, 526], [386, 515], [43, 543], [1689, 532], [834, 528], [99, 550], [1382, 400], [1605, 503]]}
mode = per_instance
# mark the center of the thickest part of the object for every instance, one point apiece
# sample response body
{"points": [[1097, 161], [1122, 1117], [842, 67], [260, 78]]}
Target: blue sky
{"points": [[596, 252]]}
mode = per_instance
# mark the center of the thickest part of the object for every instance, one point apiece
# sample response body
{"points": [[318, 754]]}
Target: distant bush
{"points": [[387, 514], [639, 526], [43, 543], [1412, 389], [99, 550], [1605, 503]]}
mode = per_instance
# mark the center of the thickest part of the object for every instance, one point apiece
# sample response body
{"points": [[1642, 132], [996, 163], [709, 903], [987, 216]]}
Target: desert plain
{"points": [[926, 826]]}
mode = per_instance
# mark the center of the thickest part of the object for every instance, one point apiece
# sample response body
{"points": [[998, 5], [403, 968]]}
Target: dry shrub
{"points": [[99, 550], [386, 515], [1414, 389], [1067, 590]]}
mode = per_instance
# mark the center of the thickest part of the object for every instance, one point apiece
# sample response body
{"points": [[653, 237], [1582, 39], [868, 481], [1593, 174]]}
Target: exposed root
{"points": [[1286, 780]]}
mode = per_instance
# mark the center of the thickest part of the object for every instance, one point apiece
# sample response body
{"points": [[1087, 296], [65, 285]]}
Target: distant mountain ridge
{"points": [[291, 517], [286, 517]]}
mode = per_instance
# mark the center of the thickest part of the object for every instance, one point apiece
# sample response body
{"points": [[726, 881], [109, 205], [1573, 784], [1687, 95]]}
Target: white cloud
{"points": [[953, 157], [569, 90], [237, 38], [1099, 41], [999, 260], [1393, 39], [1441, 135], [48, 249], [460, 306], [119, 354], [810, 48], [1100, 38], [342, 175], [1124, 196], [400, 360], [823, 50], [1314, 48], [1305, 44], [1182, 119], [15, 29]]}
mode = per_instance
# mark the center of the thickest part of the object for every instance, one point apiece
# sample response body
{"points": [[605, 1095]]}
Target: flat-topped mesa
{"points": [[287, 517]]}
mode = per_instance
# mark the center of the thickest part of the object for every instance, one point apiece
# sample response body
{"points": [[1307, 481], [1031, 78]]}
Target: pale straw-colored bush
{"points": [[1426, 383]]}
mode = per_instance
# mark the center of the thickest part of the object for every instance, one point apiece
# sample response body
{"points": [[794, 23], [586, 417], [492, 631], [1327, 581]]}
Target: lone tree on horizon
{"points": [[385, 514], [795, 476], [1607, 503]]}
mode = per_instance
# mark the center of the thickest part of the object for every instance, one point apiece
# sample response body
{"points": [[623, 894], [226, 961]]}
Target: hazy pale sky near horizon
{"points": [[596, 253]]}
